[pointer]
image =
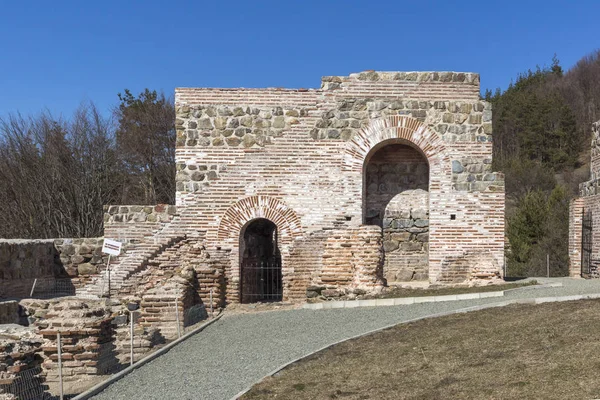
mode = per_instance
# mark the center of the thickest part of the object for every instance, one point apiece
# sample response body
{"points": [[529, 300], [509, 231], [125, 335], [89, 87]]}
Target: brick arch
{"points": [[401, 129], [250, 208]]}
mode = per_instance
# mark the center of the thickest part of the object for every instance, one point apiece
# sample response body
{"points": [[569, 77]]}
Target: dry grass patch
{"points": [[548, 351]]}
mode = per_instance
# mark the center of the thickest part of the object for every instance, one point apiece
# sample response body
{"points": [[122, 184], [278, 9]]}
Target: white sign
{"points": [[111, 247]]}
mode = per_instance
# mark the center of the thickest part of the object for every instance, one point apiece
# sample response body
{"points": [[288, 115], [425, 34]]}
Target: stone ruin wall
{"points": [[406, 237], [235, 145], [587, 202], [21, 376], [134, 223], [47, 260], [9, 312]]}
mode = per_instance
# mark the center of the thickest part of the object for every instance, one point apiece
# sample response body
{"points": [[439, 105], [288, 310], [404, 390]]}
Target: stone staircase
{"points": [[137, 257]]}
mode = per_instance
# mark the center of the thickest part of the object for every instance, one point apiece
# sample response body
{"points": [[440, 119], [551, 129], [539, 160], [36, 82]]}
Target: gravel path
{"points": [[239, 350]]}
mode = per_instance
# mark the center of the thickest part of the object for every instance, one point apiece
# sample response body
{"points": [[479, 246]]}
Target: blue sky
{"points": [[54, 55]]}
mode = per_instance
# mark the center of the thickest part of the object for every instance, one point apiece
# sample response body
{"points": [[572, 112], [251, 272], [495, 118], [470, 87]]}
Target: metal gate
{"points": [[261, 280], [586, 244]]}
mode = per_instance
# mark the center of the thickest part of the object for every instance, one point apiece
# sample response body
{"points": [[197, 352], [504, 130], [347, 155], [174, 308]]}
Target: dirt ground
{"points": [[547, 351]]}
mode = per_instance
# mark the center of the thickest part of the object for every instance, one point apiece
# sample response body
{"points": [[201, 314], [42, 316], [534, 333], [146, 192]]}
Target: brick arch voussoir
{"points": [[395, 127], [253, 207]]}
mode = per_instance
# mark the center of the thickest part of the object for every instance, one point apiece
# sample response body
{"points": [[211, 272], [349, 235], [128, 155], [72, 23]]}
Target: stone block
{"points": [[404, 275], [424, 299], [86, 269], [390, 245], [422, 223], [400, 236], [404, 301]]}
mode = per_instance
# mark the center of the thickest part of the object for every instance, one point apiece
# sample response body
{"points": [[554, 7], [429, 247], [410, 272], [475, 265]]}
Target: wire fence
{"points": [[23, 385], [50, 288]]}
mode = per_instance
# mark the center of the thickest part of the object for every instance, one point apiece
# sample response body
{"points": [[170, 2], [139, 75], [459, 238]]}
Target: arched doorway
{"points": [[260, 262], [396, 198]]}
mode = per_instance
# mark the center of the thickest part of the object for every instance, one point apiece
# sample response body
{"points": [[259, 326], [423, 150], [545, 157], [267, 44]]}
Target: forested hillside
{"points": [[542, 126]]}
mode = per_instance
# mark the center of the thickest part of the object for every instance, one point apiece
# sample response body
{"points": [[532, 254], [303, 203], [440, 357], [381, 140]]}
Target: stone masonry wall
{"points": [[59, 265], [127, 223], [22, 261], [392, 170], [81, 258], [306, 149], [87, 336], [576, 208], [588, 202], [9, 312], [406, 237]]}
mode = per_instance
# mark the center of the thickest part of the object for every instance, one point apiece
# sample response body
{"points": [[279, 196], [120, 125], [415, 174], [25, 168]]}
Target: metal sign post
{"points": [[59, 351], [131, 316], [108, 274], [177, 315]]}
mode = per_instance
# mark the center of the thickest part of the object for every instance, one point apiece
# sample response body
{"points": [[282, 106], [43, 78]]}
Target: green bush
{"points": [[539, 228]]}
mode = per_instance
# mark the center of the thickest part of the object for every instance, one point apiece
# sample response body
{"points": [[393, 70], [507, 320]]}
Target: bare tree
{"points": [[146, 144], [56, 175]]}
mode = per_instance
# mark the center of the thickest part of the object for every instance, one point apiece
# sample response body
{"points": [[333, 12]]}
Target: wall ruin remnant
{"points": [[374, 177], [56, 264], [320, 162], [584, 219]]}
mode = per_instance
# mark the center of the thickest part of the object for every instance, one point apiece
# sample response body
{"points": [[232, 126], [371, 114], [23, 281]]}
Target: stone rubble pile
{"points": [[20, 373]]}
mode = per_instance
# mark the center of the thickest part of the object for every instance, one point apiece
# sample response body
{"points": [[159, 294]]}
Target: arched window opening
{"points": [[396, 198]]}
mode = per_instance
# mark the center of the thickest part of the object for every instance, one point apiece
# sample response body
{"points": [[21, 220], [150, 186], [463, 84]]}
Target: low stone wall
{"points": [[208, 268], [171, 306], [144, 340], [9, 312], [470, 268], [58, 265], [22, 261], [125, 223], [81, 258]]}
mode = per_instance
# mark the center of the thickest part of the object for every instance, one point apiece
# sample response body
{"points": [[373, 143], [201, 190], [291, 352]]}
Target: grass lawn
{"points": [[547, 351]]}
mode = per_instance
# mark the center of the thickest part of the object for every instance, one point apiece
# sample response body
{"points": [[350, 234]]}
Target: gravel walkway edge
{"points": [[397, 301], [119, 375]]}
